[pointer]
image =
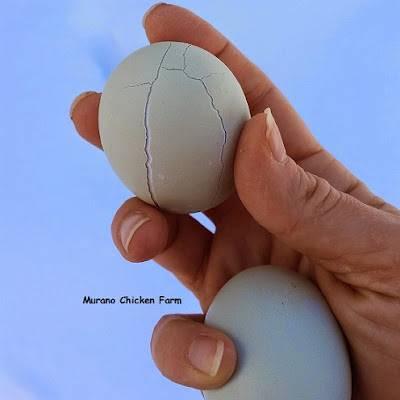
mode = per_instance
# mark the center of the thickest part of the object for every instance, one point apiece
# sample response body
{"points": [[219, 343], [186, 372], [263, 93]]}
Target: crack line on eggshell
{"points": [[148, 134], [219, 115], [172, 69], [190, 77], [212, 73], [220, 118], [141, 84]]}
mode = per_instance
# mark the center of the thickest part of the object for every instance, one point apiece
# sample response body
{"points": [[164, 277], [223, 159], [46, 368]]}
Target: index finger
{"points": [[168, 22]]}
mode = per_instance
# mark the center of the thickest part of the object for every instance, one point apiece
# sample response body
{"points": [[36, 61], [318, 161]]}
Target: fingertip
{"points": [[250, 156], [78, 100], [253, 133], [149, 11], [170, 22], [84, 113], [192, 354], [139, 230]]}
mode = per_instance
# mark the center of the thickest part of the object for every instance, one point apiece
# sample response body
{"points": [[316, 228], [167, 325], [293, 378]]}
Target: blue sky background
{"points": [[338, 62]]}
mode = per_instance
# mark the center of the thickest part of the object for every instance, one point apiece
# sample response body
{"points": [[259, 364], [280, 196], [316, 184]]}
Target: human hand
{"points": [[303, 211]]}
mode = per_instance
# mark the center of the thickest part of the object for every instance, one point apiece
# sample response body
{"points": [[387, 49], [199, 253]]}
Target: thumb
{"points": [[192, 354], [303, 210]]}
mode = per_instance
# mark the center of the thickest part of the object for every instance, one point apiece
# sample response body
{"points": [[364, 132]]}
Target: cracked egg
{"points": [[170, 117]]}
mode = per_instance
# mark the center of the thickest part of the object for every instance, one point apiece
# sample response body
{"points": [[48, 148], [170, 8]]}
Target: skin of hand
{"points": [[300, 209]]}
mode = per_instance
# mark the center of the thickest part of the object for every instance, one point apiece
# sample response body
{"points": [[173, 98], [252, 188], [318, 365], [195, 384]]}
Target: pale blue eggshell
{"points": [[170, 117], [289, 344]]}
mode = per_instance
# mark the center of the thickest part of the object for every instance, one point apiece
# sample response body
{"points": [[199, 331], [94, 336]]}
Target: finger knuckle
{"points": [[314, 199]]}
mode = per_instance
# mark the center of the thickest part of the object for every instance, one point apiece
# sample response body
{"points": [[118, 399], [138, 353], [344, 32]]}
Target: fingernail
{"points": [[149, 11], [274, 138], [77, 100], [206, 354], [129, 226]]}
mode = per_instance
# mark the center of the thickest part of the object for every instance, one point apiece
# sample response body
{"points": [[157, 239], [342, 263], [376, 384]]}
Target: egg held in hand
{"points": [[170, 117], [289, 344]]}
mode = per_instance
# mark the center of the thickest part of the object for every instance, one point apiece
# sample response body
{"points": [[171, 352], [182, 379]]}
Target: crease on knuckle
{"points": [[354, 186], [198, 280], [257, 95], [315, 198], [357, 186], [222, 50], [311, 153]]}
